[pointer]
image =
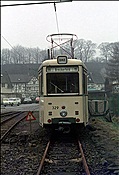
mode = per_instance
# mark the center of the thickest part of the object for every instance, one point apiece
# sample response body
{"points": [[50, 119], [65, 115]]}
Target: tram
{"points": [[63, 94]]}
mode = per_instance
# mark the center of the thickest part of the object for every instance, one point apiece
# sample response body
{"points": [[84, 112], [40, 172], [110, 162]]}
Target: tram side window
{"points": [[62, 83], [41, 84], [84, 83], [39, 79]]}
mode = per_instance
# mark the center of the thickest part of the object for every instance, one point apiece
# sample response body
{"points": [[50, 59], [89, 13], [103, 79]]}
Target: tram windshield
{"points": [[58, 83]]}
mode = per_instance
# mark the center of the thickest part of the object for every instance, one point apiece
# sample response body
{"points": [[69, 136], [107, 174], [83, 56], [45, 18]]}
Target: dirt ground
{"points": [[22, 157], [106, 138]]}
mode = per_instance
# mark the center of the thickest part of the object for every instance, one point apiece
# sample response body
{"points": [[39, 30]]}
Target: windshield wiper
{"points": [[56, 87]]}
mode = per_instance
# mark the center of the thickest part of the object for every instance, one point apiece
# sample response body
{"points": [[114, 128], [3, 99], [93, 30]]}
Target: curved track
{"points": [[8, 124]]}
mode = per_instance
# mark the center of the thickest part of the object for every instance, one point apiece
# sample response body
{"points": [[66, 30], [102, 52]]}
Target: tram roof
{"points": [[53, 62]]}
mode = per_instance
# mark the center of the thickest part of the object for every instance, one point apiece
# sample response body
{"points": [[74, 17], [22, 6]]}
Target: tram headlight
{"points": [[63, 113]]}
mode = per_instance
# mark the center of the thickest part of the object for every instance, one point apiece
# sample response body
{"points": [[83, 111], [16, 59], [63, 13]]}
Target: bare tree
{"points": [[104, 50], [36, 54], [84, 50], [44, 55], [79, 48], [113, 62], [6, 56], [18, 54], [89, 50]]}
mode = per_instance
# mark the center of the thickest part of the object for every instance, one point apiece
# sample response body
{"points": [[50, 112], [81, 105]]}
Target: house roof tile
{"points": [[23, 72], [20, 78]]}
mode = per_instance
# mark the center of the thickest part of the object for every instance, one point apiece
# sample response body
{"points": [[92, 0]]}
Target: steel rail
{"points": [[43, 159], [5, 114], [82, 154], [5, 134], [83, 159], [13, 115]]}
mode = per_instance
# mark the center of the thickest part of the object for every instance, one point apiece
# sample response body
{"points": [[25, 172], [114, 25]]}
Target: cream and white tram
{"points": [[63, 93]]}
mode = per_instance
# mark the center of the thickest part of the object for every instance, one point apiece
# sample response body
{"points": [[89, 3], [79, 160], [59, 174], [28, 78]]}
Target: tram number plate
{"points": [[55, 107]]}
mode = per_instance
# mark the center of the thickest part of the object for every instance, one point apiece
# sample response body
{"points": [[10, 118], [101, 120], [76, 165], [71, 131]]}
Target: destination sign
{"points": [[62, 59], [62, 69]]}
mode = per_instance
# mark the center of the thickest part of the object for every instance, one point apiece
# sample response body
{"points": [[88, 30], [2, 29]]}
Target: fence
{"points": [[110, 99], [114, 103]]}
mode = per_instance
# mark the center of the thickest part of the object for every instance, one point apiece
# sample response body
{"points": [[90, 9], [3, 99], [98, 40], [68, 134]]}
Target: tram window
{"points": [[62, 83], [39, 78], [84, 83], [41, 84]]}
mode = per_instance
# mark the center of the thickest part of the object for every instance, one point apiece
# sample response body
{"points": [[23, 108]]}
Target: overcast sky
{"points": [[28, 26]]}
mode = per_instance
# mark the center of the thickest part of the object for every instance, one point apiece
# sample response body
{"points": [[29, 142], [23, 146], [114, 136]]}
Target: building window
{"points": [[3, 84], [6, 86]]}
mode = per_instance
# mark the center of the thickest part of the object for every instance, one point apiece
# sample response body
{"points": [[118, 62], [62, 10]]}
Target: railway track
{"points": [[63, 157], [9, 115], [8, 124], [6, 114]]}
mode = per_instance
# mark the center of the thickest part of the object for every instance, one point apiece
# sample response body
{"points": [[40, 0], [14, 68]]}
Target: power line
{"points": [[7, 42], [48, 2], [11, 46], [56, 17]]}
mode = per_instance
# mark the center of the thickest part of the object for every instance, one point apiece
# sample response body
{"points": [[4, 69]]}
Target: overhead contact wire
{"points": [[11, 46], [56, 17], [48, 2]]}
